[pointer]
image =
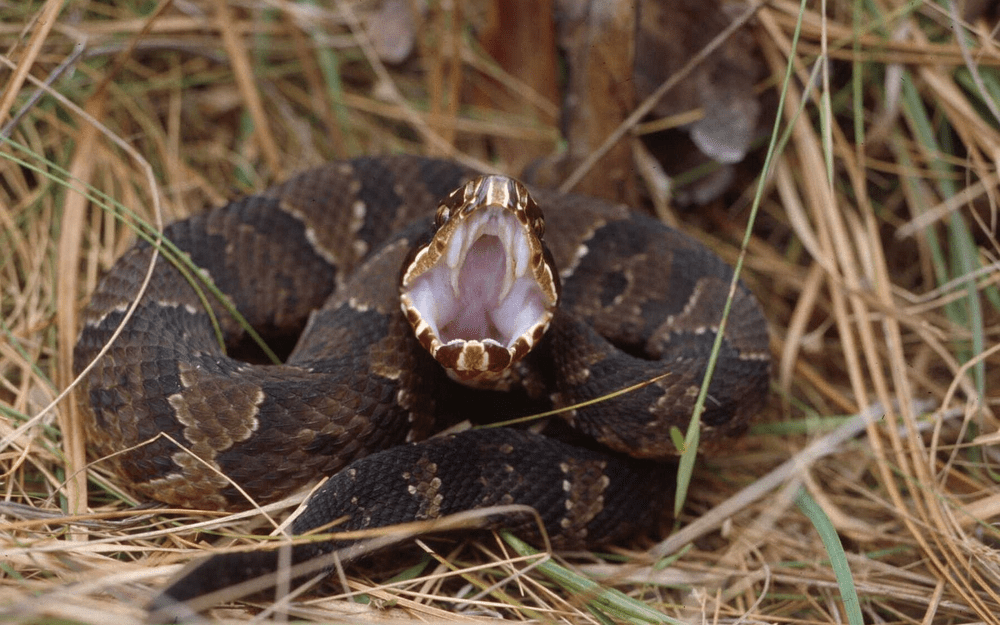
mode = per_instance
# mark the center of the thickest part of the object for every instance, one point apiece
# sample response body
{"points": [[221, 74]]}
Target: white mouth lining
{"points": [[482, 288]]}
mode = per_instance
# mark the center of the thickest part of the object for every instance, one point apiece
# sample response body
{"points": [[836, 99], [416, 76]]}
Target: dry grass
{"points": [[876, 263]]}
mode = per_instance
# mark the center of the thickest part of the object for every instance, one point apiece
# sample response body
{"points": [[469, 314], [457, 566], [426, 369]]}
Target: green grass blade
{"points": [[608, 601], [835, 551]]}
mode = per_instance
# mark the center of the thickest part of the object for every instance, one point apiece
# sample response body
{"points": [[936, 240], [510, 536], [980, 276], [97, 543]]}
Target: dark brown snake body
{"points": [[186, 424]]}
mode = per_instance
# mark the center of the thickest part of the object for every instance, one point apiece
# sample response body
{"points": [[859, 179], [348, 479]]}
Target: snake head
{"points": [[481, 293]]}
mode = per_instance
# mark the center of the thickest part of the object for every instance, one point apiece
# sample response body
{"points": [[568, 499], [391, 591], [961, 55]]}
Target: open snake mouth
{"points": [[481, 294]]}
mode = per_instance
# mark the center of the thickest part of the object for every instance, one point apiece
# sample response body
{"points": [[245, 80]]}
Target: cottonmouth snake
{"points": [[185, 424]]}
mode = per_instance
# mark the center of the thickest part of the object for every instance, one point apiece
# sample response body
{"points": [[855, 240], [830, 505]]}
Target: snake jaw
{"points": [[481, 293]]}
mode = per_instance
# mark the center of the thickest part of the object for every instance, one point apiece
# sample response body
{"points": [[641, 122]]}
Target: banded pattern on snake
{"points": [[429, 297]]}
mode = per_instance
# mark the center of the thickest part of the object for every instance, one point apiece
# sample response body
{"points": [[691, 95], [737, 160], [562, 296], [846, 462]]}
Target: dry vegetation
{"points": [[875, 254]]}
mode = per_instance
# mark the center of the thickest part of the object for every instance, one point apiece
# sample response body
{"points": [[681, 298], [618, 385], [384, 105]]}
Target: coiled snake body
{"points": [[348, 246]]}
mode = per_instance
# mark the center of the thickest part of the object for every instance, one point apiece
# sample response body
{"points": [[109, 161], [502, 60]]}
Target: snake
{"points": [[416, 296]]}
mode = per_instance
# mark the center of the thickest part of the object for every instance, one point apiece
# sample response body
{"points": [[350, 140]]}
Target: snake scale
{"points": [[393, 266]]}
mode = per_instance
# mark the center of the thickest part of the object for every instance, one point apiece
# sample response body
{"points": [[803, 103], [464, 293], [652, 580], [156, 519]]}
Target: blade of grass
{"points": [[835, 550], [685, 468], [147, 232], [963, 258], [608, 600]]}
